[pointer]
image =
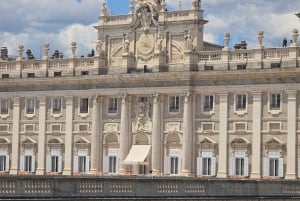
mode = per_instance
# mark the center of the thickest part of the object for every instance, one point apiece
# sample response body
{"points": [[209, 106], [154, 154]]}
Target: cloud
{"points": [[35, 22]]}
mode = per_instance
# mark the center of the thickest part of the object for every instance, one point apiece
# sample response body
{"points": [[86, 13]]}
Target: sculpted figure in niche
{"points": [[145, 18], [188, 41], [126, 44], [99, 45], [159, 41]]}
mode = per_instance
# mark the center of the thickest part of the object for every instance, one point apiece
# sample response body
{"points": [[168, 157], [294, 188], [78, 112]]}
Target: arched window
{"points": [[54, 156], [206, 160], [172, 158], [239, 160], [28, 157], [81, 163], [4, 155]]}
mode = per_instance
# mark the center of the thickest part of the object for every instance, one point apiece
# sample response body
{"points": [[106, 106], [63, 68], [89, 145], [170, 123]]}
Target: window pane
{"points": [[208, 103], [54, 163], [174, 104], [112, 164], [28, 161], [241, 101], [206, 166], [174, 165], [113, 105], [274, 166], [239, 166], [56, 106], [84, 105], [30, 106], [81, 164], [4, 106], [275, 101], [2, 163]]}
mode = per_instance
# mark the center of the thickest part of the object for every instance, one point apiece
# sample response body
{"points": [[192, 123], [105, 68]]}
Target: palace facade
{"points": [[154, 99]]}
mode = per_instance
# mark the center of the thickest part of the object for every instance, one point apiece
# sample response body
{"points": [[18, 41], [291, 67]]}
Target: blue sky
{"points": [[60, 22]]}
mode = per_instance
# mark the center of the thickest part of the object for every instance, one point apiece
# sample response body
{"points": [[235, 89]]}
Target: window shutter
{"points": [[246, 166], [280, 168], [167, 165], [199, 166], [7, 163], [49, 163], [105, 164], [22, 163], [59, 163], [232, 166], [87, 165], [213, 166], [33, 163], [75, 164], [266, 168]]}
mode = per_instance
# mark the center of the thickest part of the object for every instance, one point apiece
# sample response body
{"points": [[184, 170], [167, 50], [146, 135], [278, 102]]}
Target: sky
{"points": [[32, 23]]}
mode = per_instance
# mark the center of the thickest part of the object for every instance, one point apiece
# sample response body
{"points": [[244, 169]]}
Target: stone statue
{"points": [[159, 41], [99, 45], [188, 41], [126, 44]]}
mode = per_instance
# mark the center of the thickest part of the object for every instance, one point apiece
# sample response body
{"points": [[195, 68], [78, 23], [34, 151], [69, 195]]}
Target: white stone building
{"points": [[154, 99]]}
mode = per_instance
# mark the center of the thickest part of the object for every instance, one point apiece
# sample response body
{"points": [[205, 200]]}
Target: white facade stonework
{"points": [[204, 110]]}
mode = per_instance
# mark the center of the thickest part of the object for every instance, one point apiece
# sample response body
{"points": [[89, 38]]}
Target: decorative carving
{"points": [[111, 127], [159, 41], [126, 44], [145, 46], [142, 121], [188, 41], [173, 127], [226, 41], [99, 47]]}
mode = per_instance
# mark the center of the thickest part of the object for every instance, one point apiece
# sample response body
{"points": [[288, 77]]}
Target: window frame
{"points": [[53, 107], [211, 104], [114, 102], [241, 102], [82, 111], [30, 102], [6, 114], [174, 104], [275, 108]]}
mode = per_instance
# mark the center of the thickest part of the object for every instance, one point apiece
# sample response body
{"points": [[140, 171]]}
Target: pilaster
{"points": [[156, 136], [187, 136], [124, 134], [223, 136], [256, 135], [15, 137], [42, 134], [68, 136], [96, 145], [291, 136]]}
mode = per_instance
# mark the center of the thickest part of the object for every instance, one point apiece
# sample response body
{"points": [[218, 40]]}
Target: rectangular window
{"points": [[57, 74], [56, 106], [206, 166], [174, 104], [112, 164], [208, 68], [28, 164], [174, 165], [81, 163], [143, 99], [4, 106], [5, 76], [2, 163], [54, 163], [30, 106], [274, 167], [241, 67], [208, 103], [113, 105], [239, 166], [84, 105], [241, 101], [275, 101]]}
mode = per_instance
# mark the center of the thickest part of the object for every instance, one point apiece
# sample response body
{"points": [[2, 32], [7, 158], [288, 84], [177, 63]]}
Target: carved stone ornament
{"points": [[145, 46], [142, 122]]}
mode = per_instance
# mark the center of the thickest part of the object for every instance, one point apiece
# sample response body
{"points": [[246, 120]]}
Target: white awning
{"points": [[137, 155]]}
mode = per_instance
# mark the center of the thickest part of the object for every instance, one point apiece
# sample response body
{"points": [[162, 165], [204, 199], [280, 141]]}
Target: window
{"points": [[84, 105], [273, 164], [208, 103], [206, 166], [5, 76], [28, 164], [54, 164], [274, 167], [56, 106], [2, 163], [4, 106], [208, 68], [241, 102], [81, 163], [30, 75], [275, 101], [30, 106], [143, 99], [174, 165], [57, 74], [113, 105], [241, 67], [239, 164], [112, 164], [174, 103], [84, 72]]}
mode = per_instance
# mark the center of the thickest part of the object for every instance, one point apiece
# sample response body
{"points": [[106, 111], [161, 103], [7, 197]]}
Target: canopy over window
{"points": [[137, 155]]}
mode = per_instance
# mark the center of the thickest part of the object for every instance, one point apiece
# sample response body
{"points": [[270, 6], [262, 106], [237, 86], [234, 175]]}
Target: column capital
{"points": [[69, 100], [15, 99], [155, 97], [97, 99], [42, 100], [291, 92]]}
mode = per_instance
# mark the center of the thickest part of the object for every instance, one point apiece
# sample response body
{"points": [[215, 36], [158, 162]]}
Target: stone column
{"points": [[291, 136], [42, 135], [223, 137], [187, 136], [96, 145], [256, 135], [15, 137], [156, 136], [124, 135], [68, 137]]}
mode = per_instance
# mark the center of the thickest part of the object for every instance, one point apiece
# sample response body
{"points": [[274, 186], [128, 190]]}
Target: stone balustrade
{"points": [[46, 188]]}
